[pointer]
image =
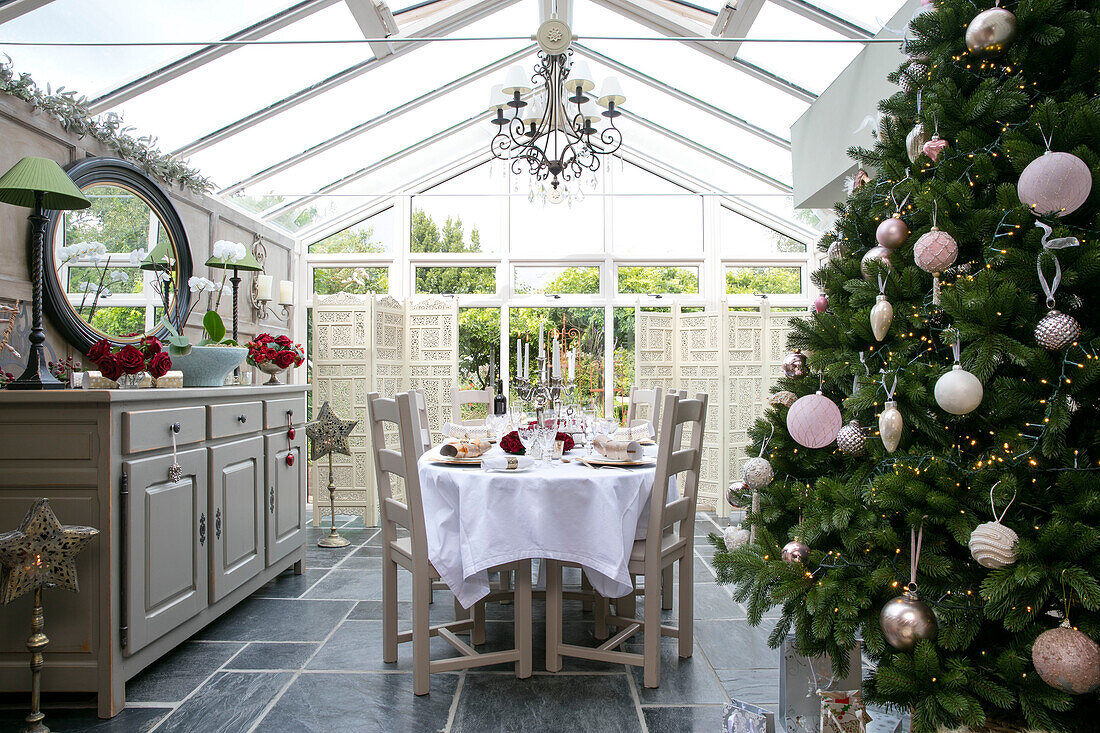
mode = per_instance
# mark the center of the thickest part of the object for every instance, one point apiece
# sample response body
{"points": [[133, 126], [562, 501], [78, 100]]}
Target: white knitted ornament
{"points": [[735, 536], [993, 544], [757, 473]]}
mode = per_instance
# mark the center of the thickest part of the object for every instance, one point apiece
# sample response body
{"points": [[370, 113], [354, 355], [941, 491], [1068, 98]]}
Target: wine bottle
{"points": [[500, 402]]}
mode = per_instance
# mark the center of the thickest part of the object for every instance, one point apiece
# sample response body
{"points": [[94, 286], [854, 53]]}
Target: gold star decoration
{"points": [[329, 434], [41, 553]]}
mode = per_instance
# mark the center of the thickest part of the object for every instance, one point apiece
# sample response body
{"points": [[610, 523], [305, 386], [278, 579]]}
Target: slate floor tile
{"points": [[272, 656], [736, 644], [758, 686], [229, 703], [357, 646], [175, 675], [361, 703], [559, 703], [705, 719], [130, 720], [689, 681], [277, 619], [289, 585]]}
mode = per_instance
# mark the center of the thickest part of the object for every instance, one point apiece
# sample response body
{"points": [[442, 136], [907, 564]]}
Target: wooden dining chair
{"points": [[424, 425], [411, 553], [649, 557], [460, 397], [645, 406]]}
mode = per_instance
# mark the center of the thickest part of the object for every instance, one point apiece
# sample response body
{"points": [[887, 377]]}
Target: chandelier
{"points": [[547, 123]]}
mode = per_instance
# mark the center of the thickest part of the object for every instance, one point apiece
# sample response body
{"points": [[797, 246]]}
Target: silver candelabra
{"points": [[546, 391]]}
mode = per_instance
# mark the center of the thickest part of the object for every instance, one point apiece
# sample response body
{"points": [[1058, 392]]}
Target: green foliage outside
{"points": [[1034, 439], [119, 321], [770, 280], [359, 280], [654, 280]]}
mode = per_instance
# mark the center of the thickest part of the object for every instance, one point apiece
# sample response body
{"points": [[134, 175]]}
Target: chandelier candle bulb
{"points": [[611, 94]]}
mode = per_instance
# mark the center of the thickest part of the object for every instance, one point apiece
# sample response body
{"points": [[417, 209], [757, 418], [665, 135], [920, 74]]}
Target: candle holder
{"points": [[553, 392], [328, 434], [261, 304]]}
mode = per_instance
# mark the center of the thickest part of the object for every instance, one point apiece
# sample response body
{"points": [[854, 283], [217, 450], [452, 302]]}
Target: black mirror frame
{"points": [[91, 171]]}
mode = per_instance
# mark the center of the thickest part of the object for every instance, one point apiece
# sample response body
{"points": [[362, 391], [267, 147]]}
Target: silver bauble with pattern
{"points": [[1057, 330], [850, 439], [757, 473]]}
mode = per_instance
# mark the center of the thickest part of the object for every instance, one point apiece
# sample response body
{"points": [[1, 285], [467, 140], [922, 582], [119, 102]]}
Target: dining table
{"points": [[569, 510]]}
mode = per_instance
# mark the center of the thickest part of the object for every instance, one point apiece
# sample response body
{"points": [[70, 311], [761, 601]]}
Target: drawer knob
{"points": [[242, 419], [174, 427]]}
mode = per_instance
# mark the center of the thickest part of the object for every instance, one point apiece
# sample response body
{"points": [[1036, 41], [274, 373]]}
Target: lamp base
{"points": [[37, 374]]}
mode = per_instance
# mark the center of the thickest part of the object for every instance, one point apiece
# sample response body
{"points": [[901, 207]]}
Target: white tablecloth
{"points": [[563, 511]]}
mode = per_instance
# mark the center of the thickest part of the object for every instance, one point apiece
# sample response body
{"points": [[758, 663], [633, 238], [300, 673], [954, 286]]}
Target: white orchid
{"points": [[228, 251], [201, 284], [137, 256], [118, 276]]}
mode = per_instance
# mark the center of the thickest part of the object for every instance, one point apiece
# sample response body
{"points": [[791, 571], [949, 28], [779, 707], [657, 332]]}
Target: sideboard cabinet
{"points": [[177, 546]]}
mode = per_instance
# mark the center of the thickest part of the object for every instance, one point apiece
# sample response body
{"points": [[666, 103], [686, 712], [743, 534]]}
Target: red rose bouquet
{"points": [[510, 443], [129, 359], [280, 351]]}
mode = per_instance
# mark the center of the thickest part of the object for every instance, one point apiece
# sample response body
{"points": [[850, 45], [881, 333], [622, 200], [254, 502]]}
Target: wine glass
{"points": [[529, 438], [588, 426]]}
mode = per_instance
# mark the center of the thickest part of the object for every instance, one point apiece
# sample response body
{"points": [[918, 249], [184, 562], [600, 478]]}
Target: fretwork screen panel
{"points": [[432, 338], [699, 369]]}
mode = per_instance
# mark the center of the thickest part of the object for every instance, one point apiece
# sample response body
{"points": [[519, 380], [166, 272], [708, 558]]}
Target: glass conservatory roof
{"points": [[290, 106]]}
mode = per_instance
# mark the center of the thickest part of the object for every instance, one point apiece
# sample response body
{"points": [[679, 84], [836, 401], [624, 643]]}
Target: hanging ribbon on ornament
{"points": [[757, 472], [916, 538], [175, 471], [890, 421], [866, 369], [958, 391], [907, 619], [882, 314], [1056, 330], [936, 145], [935, 251]]}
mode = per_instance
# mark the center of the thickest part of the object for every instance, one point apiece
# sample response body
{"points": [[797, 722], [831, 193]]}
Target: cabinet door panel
{"points": [[286, 496], [166, 534], [237, 505]]}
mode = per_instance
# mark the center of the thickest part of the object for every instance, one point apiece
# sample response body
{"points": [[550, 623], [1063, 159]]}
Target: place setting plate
{"points": [[597, 460], [436, 457]]}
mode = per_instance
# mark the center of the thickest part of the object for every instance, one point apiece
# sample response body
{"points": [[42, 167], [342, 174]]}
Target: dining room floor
{"points": [[304, 653]]}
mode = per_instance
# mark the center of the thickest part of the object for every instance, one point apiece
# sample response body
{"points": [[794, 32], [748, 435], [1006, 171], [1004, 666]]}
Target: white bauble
{"points": [[958, 391], [993, 545], [890, 426], [814, 420], [1055, 183], [990, 32], [915, 140], [882, 315], [757, 473], [735, 536]]}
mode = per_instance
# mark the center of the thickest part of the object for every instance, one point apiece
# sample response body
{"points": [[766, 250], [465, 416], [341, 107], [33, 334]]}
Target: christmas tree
{"points": [[968, 239]]}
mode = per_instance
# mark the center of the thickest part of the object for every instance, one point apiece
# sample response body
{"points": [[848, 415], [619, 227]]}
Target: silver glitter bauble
{"points": [[875, 254], [1057, 330], [795, 551], [757, 473], [794, 365], [990, 32], [1067, 660], [735, 536], [850, 439], [905, 620], [915, 140], [913, 76], [737, 492], [993, 545], [785, 397]]}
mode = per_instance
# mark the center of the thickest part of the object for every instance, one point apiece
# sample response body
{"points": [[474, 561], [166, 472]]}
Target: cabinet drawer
{"points": [[151, 429], [275, 412], [234, 419]]}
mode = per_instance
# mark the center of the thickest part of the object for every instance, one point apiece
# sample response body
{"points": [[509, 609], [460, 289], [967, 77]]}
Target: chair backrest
{"points": [[423, 422], [460, 397], [672, 462], [678, 432], [645, 398], [402, 462]]}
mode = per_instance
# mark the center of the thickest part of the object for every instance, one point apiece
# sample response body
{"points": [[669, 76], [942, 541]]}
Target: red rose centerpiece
{"points": [[274, 354], [127, 363], [510, 443]]}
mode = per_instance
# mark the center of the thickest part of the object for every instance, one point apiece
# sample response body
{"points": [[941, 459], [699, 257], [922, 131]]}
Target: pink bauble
{"points": [[821, 304], [935, 251], [892, 233], [1055, 183], [875, 254], [814, 420]]}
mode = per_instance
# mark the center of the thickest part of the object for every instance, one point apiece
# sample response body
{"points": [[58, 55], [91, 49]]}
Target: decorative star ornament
{"points": [[41, 553], [329, 434]]}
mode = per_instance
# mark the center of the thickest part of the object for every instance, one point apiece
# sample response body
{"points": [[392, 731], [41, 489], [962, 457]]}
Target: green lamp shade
{"points": [[248, 263], [31, 176], [160, 255]]}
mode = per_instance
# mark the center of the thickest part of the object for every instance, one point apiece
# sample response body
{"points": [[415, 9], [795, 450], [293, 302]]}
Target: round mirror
{"points": [[115, 269]]}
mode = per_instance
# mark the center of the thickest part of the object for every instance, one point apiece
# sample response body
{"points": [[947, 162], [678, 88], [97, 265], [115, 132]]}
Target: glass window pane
{"points": [[742, 237], [368, 236], [478, 337], [653, 280], [871, 16], [812, 66], [671, 221], [456, 280], [463, 223], [768, 280], [541, 229], [562, 280], [330, 280]]}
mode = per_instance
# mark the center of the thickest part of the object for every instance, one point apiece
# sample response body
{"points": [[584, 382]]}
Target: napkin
{"points": [[642, 431], [506, 463], [465, 432], [618, 450], [464, 449]]}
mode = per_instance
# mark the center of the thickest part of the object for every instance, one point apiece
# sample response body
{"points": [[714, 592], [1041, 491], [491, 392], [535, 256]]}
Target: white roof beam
{"points": [[205, 55], [661, 20], [376, 121], [464, 14], [375, 21], [825, 18], [12, 9], [560, 9], [683, 96], [734, 20]]}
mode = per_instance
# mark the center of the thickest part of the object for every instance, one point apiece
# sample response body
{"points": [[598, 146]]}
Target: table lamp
{"points": [[39, 184], [247, 263]]}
